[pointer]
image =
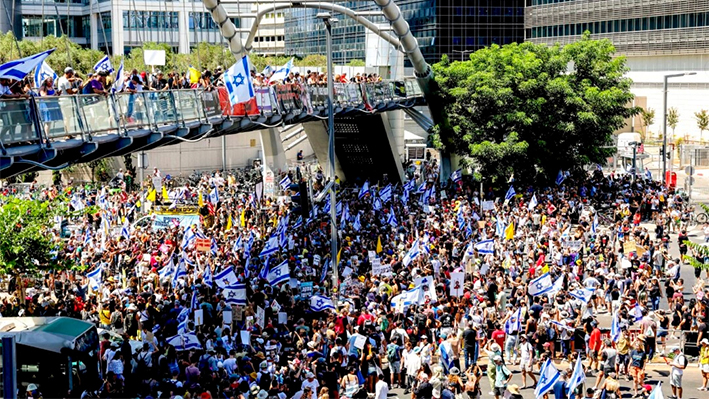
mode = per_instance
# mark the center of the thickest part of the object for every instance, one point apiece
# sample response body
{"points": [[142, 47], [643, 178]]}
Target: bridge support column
{"points": [[272, 148], [394, 126], [317, 136]]}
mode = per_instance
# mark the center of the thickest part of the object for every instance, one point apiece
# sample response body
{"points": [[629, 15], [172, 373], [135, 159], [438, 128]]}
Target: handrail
{"points": [[56, 118]]}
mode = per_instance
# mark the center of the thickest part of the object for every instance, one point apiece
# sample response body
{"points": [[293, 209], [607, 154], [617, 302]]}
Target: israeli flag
{"points": [[548, 376], [166, 271], [180, 272], [249, 245], [184, 342], [237, 80], [357, 225], [298, 223], [540, 285], [364, 190], [226, 278], [594, 225], [207, 277], [563, 326], [18, 69], [377, 204], [577, 377], [285, 183], [319, 303], [447, 356], [42, 72], [282, 72], [636, 312], [499, 228], [584, 294], [76, 203], [325, 266], [558, 285], [510, 193], [407, 298], [87, 237], [345, 216], [385, 193], [214, 196], [125, 230], [272, 245], [422, 188], [533, 202], [104, 65], [615, 328], [409, 185], [485, 247], [182, 327], [235, 294], [120, 79], [267, 71], [214, 248], [279, 274], [514, 322], [560, 177], [412, 254], [457, 176], [391, 219], [657, 392], [648, 174], [95, 278], [263, 274]]}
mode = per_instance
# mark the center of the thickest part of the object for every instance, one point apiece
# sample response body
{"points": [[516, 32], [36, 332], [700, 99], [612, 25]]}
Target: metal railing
{"points": [[52, 119]]}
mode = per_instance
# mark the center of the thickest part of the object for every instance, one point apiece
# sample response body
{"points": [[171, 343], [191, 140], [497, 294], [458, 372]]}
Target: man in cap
{"points": [[526, 352], [310, 382], [502, 377], [66, 83], [679, 363]]}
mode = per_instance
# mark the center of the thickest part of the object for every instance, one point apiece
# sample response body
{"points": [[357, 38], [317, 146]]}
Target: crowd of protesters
{"points": [[417, 236]]}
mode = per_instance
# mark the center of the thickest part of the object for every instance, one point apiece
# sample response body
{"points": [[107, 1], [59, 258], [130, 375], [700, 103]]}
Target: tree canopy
{"points": [[532, 109]]}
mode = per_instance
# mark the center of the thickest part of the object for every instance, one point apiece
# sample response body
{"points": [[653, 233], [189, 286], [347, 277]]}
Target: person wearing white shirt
{"points": [[679, 363], [310, 382], [381, 388]]}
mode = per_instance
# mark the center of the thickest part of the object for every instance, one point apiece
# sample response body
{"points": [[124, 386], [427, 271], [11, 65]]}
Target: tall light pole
{"points": [[462, 53], [664, 121], [329, 21]]}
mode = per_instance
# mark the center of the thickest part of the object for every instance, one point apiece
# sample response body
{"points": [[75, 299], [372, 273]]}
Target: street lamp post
{"points": [[329, 21], [462, 53], [664, 121]]}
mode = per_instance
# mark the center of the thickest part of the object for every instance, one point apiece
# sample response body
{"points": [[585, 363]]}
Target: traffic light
{"points": [[299, 198]]}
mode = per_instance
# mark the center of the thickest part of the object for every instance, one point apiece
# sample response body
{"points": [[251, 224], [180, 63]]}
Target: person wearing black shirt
{"points": [[424, 390], [470, 341]]}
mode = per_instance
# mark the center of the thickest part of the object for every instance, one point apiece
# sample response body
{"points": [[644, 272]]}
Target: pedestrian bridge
{"points": [[51, 133]]}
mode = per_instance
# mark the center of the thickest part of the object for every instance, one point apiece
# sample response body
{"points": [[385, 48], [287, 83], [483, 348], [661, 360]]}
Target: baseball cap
{"points": [[68, 69]]}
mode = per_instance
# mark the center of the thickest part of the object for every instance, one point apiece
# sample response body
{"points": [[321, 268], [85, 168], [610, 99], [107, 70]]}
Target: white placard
{"points": [[372, 255], [245, 337], [198, 317], [347, 271], [275, 306], [429, 289], [227, 317], [154, 57], [573, 246], [380, 270], [457, 284], [157, 183], [316, 260], [488, 205], [359, 341], [261, 317], [282, 318]]}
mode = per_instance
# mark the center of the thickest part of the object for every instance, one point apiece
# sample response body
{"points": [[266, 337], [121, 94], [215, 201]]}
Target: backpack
{"points": [[393, 354]]}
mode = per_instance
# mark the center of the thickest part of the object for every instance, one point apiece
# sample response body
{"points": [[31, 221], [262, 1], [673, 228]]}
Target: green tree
{"points": [[533, 109], [313, 60], [26, 244], [702, 118], [648, 117], [356, 63], [673, 119], [698, 252]]}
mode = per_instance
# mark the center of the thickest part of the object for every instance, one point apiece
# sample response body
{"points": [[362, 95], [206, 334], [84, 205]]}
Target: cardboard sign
{"points": [[380, 270], [488, 205], [360, 341], [237, 312], [372, 255], [628, 247], [203, 244], [275, 306], [245, 337], [316, 260], [282, 318], [306, 289], [573, 246], [261, 316], [227, 316], [457, 284], [198, 317]]}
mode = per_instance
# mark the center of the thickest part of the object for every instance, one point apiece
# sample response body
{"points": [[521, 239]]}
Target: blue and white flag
{"points": [[457, 176], [558, 285], [560, 177], [279, 274], [594, 225], [407, 298], [636, 312], [214, 196], [385, 193], [166, 271], [325, 266], [235, 294], [267, 71], [577, 377], [120, 79], [447, 360], [485, 247], [285, 183], [364, 190], [499, 228], [510, 193], [563, 326], [104, 65], [514, 322], [319, 303], [533, 202], [185, 342], [540, 285], [357, 225], [214, 248], [42, 72], [125, 230], [412, 254], [648, 174], [377, 204], [226, 278], [182, 327], [615, 328], [180, 272], [272, 245], [657, 392], [76, 203], [391, 218], [18, 69], [263, 274], [207, 277], [584, 294], [548, 376], [237, 80], [95, 278], [282, 72], [410, 185]]}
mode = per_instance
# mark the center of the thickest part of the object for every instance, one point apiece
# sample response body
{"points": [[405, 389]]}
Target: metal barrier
{"points": [[83, 116]]}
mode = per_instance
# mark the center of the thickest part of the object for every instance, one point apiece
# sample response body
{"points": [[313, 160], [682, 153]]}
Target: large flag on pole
{"points": [[237, 80], [120, 81], [282, 72], [42, 72], [540, 285], [548, 376], [104, 65], [18, 69], [577, 377]]}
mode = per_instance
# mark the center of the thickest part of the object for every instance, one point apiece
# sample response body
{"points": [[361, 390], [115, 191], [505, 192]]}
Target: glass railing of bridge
{"points": [[17, 122]]}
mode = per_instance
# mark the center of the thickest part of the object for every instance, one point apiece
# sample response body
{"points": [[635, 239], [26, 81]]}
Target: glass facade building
{"points": [[452, 27], [636, 27]]}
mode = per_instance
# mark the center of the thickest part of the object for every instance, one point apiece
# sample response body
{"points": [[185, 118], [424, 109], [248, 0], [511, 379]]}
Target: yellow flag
{"points": [[194, 75], [510, 231], [228, 223], [242, 218], [379, 244], [164, 194], [200, 200], [137, 204], [124, 280], [338, 255], [544, 219], [545, 269], [151, 195]]}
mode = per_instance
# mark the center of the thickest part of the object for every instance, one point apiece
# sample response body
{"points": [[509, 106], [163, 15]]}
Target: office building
{"points": [[658, 37], [270, 36], [452, 27], [117, 26]]}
